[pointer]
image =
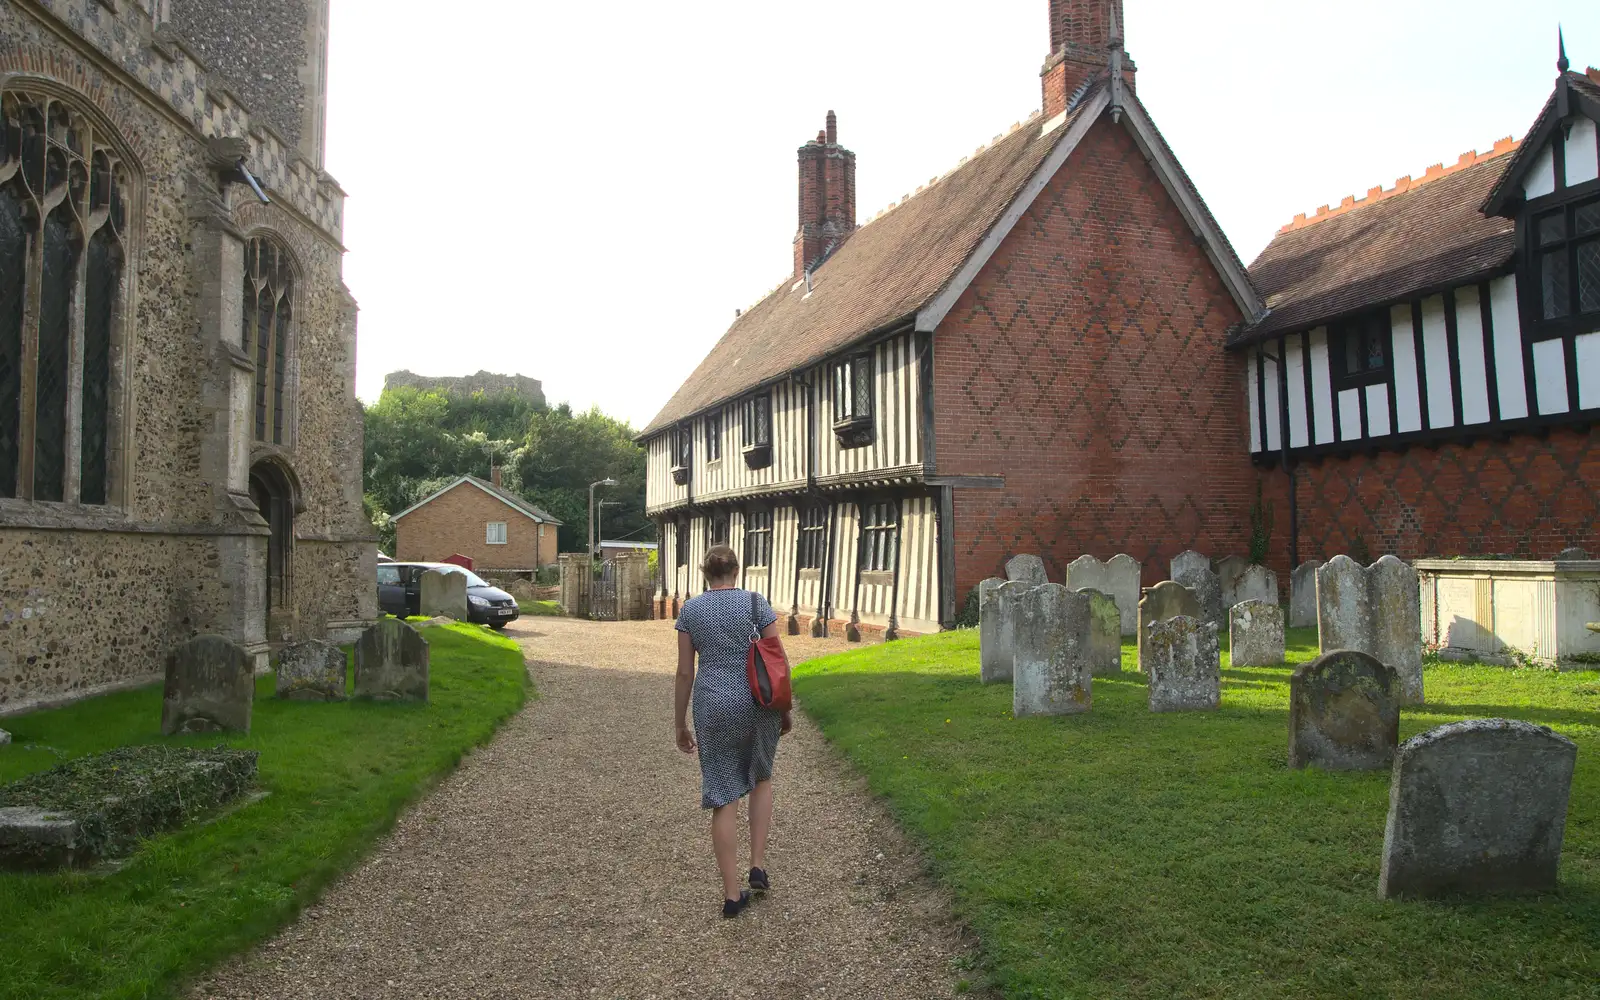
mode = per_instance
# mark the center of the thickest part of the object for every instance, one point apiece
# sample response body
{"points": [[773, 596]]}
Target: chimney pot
{"points": [[827, 198], [833, 129], [494, 475]]}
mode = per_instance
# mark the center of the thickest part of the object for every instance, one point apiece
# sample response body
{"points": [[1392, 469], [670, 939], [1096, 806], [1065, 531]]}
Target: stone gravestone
{"points": [[311, 671], [1303, 595], [1255, 634], [1188, 560], [1184, 664], [5, 737], [1377, 610], [1477, 806], [1228, 571], [1207, 590], [994, 633], [1165, 600], [1027, 569], [210, 686], [443, 595], [1344, 713], [1117, 579], [1105, 634], [1256, 583], [1052, 672], [392, 662]]}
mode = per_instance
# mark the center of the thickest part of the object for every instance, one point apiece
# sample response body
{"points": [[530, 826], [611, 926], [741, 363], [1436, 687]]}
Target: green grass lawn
{"points": [[337, 776], [539, 607], [1125, 854]]}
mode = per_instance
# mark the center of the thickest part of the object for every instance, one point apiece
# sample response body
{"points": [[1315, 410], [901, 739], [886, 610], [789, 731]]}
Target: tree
{"points": [[565, 452]]}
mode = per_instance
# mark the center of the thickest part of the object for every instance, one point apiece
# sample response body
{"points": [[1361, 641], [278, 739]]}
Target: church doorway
{"points": [[273, 494]]}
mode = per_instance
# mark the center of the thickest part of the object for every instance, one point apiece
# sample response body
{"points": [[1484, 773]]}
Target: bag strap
{"points": [[755, 629]]}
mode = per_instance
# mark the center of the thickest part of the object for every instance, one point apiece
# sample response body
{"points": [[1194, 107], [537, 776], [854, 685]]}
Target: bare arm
{"points": [[682, 688]]}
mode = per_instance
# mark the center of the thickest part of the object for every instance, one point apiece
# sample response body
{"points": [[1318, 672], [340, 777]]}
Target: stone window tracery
{"points": [[63, 249], [268, 317]]}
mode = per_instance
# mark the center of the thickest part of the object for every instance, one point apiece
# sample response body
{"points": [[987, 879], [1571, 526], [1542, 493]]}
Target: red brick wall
{"points": [[458, 521], [1530, 497], [1086, 366]]}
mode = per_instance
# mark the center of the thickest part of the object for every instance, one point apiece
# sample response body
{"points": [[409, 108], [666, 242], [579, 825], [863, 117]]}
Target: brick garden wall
{"points": [[1086, 366], [456, 522]]}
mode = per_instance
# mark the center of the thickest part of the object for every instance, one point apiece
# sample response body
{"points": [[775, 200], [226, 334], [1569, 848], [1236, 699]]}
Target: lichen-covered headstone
{"points": [[1378, 610], [1117, 578], [392, 663], [1228, 571], [1344, 713], [1165, 600], [312, 670], [443, 595], [1303, 595], [994, 634], [1256, 583], [1255, 634], [1187, 560], [1207, 589], [1477, 807], [1052, 673], [210, 687], [1027, 569], [5, 737], [1105, 634], [1184, 665]]}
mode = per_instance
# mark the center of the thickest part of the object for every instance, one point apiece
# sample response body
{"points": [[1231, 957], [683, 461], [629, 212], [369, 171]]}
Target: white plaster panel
{"points": [[1436, 363], [1588, 346], [1508, 348], [1541, 179], [1583, 156], [1550, 375], [1350, 415], [1274, 408], [1377, 410], [1469, 345], [1403, 355], [1299, 432], [1321, 387], [1252, 400]]}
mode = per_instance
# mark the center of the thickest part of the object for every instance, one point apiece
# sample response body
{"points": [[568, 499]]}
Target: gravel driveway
{"points": [[569, 858]]}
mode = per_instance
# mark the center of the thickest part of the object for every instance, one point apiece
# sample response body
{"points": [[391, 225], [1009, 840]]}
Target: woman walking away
{"points": [[736, 737]]}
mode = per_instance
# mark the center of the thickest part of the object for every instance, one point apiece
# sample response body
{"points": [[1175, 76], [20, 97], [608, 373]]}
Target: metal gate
{"points": [[603, 593]]}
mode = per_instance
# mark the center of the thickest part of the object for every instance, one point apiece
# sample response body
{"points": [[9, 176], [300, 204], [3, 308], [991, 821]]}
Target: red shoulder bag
{"points": [[767, 666]]}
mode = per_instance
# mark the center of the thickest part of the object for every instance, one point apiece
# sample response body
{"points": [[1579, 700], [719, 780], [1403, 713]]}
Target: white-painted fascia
{"points": [[465, 479]]}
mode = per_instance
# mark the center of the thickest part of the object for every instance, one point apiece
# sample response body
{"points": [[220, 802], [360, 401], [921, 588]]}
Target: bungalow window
{"points": [[495, 533], [852, 400], [813, 536], [758, 539], [714, 437], [1566, 255], [682, 452], [1361, 350], [879, 536], [756, 421]]}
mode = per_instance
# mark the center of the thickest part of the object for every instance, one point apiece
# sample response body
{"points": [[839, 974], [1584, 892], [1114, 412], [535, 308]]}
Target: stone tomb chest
{"points": [[1483, 608]]}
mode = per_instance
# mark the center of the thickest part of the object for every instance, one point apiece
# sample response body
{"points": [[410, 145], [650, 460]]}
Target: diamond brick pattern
{"points": [[1086, 366]]}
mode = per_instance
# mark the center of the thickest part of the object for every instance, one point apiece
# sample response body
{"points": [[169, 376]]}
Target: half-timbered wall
{"points": [[896, 408]]}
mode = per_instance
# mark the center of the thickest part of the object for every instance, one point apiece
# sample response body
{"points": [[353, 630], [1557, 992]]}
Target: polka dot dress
{"points": [[738, 739]]}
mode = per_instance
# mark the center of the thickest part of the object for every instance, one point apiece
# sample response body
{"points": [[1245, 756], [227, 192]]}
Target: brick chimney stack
{"points": [[495, 475], [1081, 34], [827, 198]]}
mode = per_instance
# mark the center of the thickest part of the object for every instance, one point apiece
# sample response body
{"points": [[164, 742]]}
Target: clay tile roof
{"points": [[1385, 247], [882, 275]]}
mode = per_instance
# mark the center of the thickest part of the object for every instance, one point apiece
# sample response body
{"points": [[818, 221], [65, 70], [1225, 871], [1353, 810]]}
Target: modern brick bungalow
{"points": [[494, 527], [1054, 349]]}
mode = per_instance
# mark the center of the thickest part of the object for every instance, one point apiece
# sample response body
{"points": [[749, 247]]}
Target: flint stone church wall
{"points": [[93, 597]]}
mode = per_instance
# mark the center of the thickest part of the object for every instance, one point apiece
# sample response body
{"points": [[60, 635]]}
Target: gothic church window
{"points": [[268, 318], [63, 252]]}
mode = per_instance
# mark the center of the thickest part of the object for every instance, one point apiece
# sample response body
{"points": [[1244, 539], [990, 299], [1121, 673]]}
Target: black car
{"points": [[400, 593]]}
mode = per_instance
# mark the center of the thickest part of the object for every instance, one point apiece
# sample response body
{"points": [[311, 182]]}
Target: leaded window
{"points": [[714, 437], [716, 529], [1566, 256], [1360, 350], [852, 389], [680, 543], [879, 536], [757, 420], [758, 538], [63, 226], [813, 536], [268, 322]]}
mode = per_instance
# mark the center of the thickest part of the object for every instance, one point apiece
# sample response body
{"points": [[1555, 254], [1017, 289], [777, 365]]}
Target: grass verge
{"points": [[1129, 855], [337, 776], [539, 607]]}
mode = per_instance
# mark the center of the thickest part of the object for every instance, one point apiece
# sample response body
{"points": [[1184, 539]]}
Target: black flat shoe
{"points": [[733, 907], [758, 880]]}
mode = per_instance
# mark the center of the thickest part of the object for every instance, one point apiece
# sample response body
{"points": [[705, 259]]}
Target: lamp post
{"points": [[608, 481]]}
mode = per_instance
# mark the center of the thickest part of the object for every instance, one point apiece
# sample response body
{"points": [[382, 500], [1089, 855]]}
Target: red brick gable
{"points": [[1086, 365]]}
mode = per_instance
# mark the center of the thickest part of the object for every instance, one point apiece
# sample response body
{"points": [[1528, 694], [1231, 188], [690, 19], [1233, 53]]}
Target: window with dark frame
{"points": [[758, 538], [716, 529], [755, 423], [852, 390], [813, 544], [1565, 254], [680, 543], [879, 536], [682, 452], [714, 437], [1359, 349]]}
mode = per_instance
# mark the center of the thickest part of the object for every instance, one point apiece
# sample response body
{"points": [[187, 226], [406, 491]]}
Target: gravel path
{"points": [[569, 858]]}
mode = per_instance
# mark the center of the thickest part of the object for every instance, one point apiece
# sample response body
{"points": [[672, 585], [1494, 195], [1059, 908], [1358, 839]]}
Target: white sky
{"points": [[584, 192]]}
